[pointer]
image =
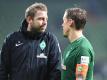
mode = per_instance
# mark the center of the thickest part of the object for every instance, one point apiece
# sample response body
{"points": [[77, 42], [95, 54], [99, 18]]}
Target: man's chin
{"points": [[43, 30], [65, 35]]}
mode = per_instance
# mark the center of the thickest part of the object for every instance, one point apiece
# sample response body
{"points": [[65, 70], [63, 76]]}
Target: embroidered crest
{"points": [[42, 45]]}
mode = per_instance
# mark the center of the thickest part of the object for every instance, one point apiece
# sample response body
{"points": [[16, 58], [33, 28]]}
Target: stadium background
{"points": [[12, 14]]}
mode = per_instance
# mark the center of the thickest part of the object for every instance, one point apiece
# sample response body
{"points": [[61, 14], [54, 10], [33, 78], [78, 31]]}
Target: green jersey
{"points": [[77, 52]]}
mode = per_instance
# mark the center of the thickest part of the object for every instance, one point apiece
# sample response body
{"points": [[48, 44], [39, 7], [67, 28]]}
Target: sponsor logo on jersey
{"points": [[42, 55], [84, 60]]}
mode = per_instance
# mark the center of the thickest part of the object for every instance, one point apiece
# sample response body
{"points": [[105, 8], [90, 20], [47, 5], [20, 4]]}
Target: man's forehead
{"points": [[41, 13]]}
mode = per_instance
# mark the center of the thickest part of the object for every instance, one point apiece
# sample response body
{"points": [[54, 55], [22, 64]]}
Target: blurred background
{"points": [[12, 14]]}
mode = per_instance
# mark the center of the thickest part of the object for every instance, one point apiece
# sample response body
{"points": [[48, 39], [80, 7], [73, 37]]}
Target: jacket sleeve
{"points": [[4, 62], [54, 63]]}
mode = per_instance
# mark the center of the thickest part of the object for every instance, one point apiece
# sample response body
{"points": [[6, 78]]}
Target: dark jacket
{"points": [[30, 56]]}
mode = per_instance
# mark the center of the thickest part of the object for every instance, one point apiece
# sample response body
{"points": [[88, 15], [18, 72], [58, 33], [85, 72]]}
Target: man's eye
{"points": [[40, 18], [44, 19]]}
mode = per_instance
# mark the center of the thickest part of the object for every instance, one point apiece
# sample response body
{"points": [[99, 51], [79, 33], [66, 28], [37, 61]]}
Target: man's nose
{"points": [[62, 24], [45, 22]]}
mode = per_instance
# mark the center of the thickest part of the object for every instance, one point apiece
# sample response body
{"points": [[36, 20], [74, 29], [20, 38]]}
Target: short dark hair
{"points": [[78, 15], [31, 10]]}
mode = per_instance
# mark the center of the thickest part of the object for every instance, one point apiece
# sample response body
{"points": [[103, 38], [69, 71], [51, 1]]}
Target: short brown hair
{"points": [[31, 10], [78, 15]]}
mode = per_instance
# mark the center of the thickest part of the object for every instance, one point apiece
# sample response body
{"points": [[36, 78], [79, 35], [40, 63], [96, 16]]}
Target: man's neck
{"points": [[75, 35]]}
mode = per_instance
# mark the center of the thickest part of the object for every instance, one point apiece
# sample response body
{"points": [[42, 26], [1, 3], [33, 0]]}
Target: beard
{"points": [[35, 30], [38, 28], [65, 34]]}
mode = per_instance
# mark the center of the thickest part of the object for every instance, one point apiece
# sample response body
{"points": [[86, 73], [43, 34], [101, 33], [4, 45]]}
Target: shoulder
{"points": [[9, 39], [84, 44], [12, 35], [50, 36], [84, 51], [51, 39]]}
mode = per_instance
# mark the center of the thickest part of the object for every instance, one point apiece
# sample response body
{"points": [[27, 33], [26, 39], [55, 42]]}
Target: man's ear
{"points": [[29, 19], [70, 22]]}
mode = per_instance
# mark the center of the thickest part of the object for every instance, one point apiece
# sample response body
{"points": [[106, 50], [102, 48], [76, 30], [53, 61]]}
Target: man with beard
{"points": [[31, 53], [78, 57]]}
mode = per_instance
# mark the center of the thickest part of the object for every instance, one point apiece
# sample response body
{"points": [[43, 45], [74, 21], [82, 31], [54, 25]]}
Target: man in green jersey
{"points": [[78, 57]]}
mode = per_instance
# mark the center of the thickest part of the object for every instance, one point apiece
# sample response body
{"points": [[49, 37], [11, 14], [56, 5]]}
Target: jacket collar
{"points": [[29, 34]]}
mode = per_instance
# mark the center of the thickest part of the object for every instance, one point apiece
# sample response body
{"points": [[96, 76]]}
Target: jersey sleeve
{"points": [[82, 65], [83, 56]]}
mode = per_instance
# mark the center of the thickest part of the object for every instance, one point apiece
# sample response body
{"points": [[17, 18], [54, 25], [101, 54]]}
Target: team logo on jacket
{"points": [[18, 43], [42, 55], [42, 45]]}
